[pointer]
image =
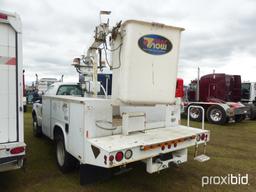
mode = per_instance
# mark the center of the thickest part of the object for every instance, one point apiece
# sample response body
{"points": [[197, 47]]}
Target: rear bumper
{"points": [[11, 163], [102, 152]]}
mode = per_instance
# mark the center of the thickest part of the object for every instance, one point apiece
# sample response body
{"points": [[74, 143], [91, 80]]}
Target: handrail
{"points": [[199, 107]]}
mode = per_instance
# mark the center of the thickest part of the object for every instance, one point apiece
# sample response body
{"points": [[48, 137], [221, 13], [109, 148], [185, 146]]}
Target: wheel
{"points": [[195, 114], [239, 118], [65, 161], [216, 115], [37, 130]]}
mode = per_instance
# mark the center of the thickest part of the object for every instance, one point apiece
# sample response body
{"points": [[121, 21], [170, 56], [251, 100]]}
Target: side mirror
{"points": [[38, 100]]}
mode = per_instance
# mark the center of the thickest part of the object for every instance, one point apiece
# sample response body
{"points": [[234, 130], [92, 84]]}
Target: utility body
{"points": [[148, 130], [12, 146]]}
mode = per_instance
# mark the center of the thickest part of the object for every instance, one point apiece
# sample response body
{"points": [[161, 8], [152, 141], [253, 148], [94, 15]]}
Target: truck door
{"points": [[212, 90], [8, 84]]}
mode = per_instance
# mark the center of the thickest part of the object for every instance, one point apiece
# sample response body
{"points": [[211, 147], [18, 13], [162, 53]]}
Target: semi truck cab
{"points": [[220, 95]]}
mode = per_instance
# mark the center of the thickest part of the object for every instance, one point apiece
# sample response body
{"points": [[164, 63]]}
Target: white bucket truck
{"points": [[12, 146], [144, 63]]}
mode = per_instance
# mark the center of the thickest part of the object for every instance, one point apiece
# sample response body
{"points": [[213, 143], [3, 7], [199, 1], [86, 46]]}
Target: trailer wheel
{"points": [[65, 161], [195, 114], [37, 130], [216, 115]]}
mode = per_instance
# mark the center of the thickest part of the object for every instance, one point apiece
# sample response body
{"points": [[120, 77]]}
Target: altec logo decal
{"points": [[155, 44]]}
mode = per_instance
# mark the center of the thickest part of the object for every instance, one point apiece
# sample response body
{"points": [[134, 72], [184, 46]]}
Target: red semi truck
{"points": [[219, 94]]}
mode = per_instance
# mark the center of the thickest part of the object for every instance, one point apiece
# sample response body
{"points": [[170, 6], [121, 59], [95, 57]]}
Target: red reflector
{"points": [[179, 88], [3, 16], [111, 158], [169, 146], [119, 156], [17, 150], [163, 147]]}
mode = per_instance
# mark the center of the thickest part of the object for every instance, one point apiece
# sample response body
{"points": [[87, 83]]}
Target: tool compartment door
{"points": [[8, 84]]}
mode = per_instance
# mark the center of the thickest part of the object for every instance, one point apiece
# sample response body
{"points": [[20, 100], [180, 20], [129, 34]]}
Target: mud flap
{"points": [[91, 174]]}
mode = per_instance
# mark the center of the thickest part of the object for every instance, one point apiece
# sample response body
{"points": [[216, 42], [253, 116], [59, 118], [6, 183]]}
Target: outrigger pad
{"points": [[91, 174]]}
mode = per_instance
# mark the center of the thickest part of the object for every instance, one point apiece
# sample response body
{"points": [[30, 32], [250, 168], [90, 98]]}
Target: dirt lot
{"points": [[232, 150]]}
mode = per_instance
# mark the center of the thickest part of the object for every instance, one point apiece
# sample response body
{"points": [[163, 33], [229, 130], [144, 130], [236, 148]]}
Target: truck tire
{"points": [[216, 115], [195, 114], [65, 161], [37, 130]]}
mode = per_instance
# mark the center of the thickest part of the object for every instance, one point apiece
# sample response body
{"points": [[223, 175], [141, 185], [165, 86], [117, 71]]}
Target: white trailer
{"points": [[144, 64], [12, 146]]}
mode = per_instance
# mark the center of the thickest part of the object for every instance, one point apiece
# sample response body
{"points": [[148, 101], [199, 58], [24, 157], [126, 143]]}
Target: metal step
{"points": [[202, 158]]}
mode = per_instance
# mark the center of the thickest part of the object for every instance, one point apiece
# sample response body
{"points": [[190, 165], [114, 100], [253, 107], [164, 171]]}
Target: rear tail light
{"points": [[179, 88], [17, 150], [119, 156], [163, 147], [203, 136], [128, 154], [3, 16]]}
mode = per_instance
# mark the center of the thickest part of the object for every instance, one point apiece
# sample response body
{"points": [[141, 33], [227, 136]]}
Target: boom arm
{"points": [[89, 66]]}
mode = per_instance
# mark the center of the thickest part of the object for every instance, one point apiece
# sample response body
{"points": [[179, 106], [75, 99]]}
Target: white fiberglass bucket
{"points": [[145, 65]]}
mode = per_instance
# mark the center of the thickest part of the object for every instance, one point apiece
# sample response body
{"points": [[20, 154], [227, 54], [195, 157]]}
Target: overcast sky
{"points": [[220, 35]]}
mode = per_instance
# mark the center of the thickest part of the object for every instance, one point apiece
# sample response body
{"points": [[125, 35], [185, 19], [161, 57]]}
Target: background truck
{"points": [[12, 146], [219, 94], [148, 130], [43, 84], [248, 97]]}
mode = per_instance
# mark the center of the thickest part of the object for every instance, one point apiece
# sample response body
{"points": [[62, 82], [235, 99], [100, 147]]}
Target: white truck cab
{"points": [[12, 146]]}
